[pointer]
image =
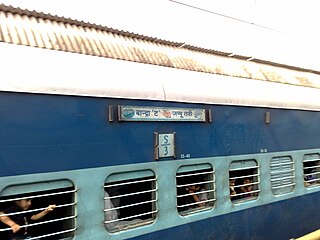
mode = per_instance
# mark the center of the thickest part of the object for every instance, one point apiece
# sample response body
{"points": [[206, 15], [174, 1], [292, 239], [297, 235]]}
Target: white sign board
{"points": [[166, 147]]}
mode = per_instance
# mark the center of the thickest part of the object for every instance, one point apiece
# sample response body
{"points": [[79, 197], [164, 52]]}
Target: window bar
{"points": [[195, 174], [248, 184], [283, 171], [37, 196], [309, 174], [313, 180], [196, 183], [138, 215], [38, 209], [196, 203], [283, 186], [245, 176], [247, 168], [281, 164], [189, 194], [315, 166], [127, 183], [130, 205], [311, 160], [131, 194], [283, 178], [40, 223], [240, 194], [52, 234]]}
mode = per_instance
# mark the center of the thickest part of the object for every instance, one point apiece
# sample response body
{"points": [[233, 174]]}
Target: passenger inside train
{"points": [[197, 195], [129, 203], [311, 173], [232, 183], [111, 213], [56, 224], [243, 183], [195, 190], [17, 216], [247, 187]]}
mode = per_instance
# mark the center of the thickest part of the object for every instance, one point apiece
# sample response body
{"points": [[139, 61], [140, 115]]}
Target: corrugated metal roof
{"points": [[41, 30]]}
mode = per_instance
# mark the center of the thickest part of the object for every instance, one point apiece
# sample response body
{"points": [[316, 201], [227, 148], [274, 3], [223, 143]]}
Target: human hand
{"points": [[189, 190], [15, 228], [50, 208]]}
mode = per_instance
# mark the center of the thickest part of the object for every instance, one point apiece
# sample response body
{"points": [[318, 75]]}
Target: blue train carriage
{"points": [[133, 137]]}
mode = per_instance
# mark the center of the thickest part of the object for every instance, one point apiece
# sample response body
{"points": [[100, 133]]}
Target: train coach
{"points": [[133, 137]]}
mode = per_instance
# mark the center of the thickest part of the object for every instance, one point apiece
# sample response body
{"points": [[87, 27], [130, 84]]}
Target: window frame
{"points": [[278, 184], [39, 192], [204, 174], [246, 168], [315, 182], [119, 183]]}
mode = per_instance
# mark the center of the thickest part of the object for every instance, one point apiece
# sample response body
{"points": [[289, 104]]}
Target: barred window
{"points": [[244, 180], [282, 175], [195, 188], [130, 200], [56, 224], [311, 170]]}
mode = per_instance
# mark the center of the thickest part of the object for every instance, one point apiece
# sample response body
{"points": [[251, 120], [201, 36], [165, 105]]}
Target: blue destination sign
{"points": [[137, 113]]}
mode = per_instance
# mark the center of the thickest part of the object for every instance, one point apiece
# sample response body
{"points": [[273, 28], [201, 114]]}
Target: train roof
{"points": [[92, 60]]}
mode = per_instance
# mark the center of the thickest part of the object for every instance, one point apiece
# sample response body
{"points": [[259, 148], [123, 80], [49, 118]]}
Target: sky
{"points": [[282, 31]]}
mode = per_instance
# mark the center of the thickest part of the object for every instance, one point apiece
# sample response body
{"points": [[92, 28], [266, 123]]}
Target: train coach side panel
{"points": [[46, 133]]}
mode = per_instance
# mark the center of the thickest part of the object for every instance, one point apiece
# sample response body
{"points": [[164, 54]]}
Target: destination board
{"points": [[145, 113]]}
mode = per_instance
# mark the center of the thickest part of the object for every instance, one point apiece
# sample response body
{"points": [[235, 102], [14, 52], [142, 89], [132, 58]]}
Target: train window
{"points": [[244, 180], [195, 188], [30, 202], [311, 170], [130, 200], [282, 175]]}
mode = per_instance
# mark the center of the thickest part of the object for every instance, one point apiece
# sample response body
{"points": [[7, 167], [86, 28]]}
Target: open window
{"points": [[57, 224], [195, 188], [244, 180], [130, 200], [282, 175], [311, 170]]}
